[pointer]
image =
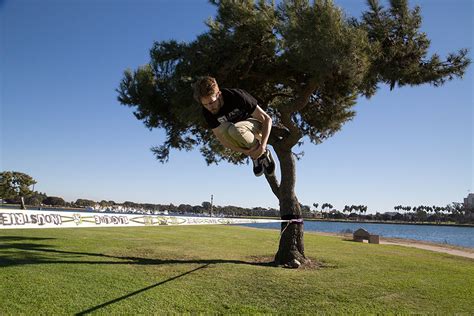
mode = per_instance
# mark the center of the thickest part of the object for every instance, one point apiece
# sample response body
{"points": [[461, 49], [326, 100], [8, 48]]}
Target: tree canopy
{"points": [[15, 184], [306, 63]]}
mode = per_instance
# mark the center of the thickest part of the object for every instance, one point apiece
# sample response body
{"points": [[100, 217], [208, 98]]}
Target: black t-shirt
{"points": [[238, 106]]}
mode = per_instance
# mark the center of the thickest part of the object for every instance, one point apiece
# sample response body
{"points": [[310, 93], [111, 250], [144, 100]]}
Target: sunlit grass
{"points": [[221, 269]]}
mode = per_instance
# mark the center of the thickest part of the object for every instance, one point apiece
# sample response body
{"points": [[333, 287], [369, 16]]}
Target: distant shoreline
{"points": [[375, 222], [389, 222]]}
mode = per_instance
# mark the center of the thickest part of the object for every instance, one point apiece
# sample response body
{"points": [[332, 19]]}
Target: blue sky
{"points": [[61, 123]]}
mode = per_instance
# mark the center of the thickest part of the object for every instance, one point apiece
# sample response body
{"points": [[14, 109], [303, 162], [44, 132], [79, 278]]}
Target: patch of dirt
{"points": [[452, 250], [311, 264]]}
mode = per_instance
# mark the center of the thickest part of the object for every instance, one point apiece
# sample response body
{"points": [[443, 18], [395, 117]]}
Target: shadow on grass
{"points": [[90, 310], [17, 254], [9, 260], [21, 238]]}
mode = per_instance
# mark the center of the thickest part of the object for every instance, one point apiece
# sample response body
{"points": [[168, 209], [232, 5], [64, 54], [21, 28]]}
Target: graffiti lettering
{"points": [[23, 219], [106, 219]]}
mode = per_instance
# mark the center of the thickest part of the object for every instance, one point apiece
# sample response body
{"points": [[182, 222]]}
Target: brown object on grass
{"points": [[361, 235]]}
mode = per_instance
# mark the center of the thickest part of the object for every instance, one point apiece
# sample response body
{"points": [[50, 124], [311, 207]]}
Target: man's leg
{"points": [[245, 134]]}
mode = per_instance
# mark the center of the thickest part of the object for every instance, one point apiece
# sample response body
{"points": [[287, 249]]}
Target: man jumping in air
{"points": [[237, 121]]}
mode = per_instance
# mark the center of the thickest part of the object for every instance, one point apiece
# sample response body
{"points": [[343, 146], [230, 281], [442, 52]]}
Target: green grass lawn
{"points": [[220, 269]]}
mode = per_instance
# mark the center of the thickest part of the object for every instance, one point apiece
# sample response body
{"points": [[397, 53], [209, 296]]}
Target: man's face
{"points": [[212, 103]]}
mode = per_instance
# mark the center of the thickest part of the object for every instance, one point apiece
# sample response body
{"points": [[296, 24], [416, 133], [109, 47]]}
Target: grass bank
{"points": [[220, 269]]}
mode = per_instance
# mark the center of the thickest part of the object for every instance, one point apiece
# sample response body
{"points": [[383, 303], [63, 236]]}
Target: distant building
{"points": [[469, 201], [392, 214]]}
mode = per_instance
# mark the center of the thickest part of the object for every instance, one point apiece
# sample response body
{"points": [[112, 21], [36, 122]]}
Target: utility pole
{"points": [[212, 198]]}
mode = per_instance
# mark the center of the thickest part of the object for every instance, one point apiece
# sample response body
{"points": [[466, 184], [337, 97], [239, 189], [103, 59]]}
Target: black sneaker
{"points": [[258, 166], [268, 163]]}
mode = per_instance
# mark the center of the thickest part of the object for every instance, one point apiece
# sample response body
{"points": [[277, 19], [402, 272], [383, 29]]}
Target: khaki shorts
{"points": [[243, 134]]}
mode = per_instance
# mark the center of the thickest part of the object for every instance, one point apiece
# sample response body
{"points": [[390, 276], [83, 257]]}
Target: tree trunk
{"points": [[22, 199], [291, 248]]}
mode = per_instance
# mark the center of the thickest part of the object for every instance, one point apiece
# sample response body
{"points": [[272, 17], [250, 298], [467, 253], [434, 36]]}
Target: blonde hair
{"points": [[204, 87]]}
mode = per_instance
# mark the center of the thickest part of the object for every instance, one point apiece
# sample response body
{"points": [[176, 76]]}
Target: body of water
{"points": [[453, 235]]}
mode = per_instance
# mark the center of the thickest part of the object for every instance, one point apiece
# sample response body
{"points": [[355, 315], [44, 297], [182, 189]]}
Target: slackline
{"points": [[20, 219]]}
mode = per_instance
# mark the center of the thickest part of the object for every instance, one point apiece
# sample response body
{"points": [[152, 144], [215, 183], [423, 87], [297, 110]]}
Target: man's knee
{"points": [[230, 132], [241, 130], [251, 125]]}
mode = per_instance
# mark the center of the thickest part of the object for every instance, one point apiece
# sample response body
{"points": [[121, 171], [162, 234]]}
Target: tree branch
{"points": [[303, 99], [274, 185], [299, 103], [273, 96]]}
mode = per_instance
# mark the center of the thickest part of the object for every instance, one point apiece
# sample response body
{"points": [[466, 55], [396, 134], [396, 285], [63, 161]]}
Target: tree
{"points": [[85, 203], [54, 201], [207, 206], [305, 210], [324, 206], [347, 209], [104, 204], [328, 205], [130, 204], [185, 208], [15, 185], [35, 198], [305, 63], [420, 215]]}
